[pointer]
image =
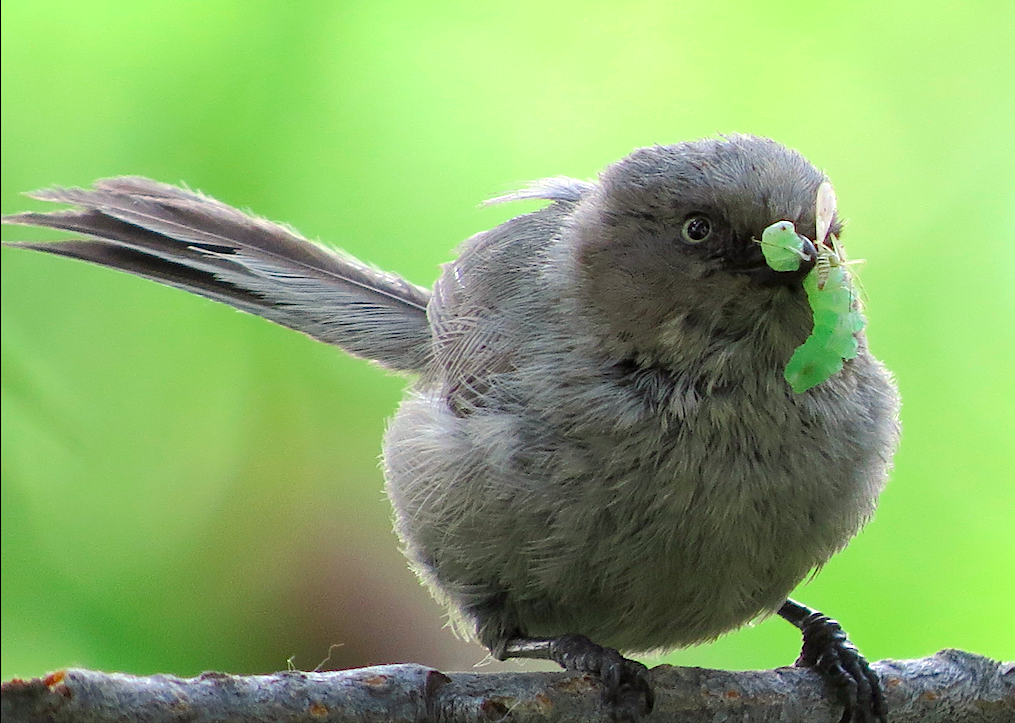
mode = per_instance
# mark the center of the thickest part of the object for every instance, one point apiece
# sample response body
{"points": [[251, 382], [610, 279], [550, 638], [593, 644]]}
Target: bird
{"points": [[598, 454]]}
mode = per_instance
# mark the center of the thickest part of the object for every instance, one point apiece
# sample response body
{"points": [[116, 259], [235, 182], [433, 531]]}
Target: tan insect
{"points": [[830, 252]]}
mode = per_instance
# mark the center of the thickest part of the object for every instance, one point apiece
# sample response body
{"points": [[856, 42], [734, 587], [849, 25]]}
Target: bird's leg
{"points": [[828, 651], [628, 690]]}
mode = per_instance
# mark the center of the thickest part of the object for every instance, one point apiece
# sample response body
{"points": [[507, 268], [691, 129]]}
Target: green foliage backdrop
{"points": [[188, 488]]}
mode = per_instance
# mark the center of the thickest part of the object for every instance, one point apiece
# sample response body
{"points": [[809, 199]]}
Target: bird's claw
{"points": [[829, 652], [628, 690]]}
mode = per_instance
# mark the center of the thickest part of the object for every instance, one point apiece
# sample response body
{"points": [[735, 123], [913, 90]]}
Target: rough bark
{"points": [[950, 687]]}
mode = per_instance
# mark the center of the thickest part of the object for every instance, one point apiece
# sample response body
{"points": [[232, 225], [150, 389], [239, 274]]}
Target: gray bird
{"points": [[598, 452]]}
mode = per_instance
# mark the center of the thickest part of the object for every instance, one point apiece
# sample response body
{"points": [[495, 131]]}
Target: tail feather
{"points": [[193, 242]]}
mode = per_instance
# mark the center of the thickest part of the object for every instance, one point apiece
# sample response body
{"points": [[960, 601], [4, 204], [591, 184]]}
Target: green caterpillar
{"points": [[829, 288]]}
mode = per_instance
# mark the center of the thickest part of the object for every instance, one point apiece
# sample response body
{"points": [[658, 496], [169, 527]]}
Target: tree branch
{"points": [[950, 687]]}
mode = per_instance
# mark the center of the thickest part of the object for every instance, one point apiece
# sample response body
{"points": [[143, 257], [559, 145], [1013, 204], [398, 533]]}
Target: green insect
{"points": [[829, 289], [782, 247]]}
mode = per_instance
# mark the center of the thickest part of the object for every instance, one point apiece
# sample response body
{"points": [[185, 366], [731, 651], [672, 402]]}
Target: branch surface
{"points": [[950, 687]]}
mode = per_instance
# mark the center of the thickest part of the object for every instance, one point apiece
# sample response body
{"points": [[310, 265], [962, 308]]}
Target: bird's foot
{"points": [[828, 651], [628, 690]]}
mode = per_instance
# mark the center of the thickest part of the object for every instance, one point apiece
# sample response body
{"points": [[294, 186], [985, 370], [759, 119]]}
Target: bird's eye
{"points": [[696, 229]]}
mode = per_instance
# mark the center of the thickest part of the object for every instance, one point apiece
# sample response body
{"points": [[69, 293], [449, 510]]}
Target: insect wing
{"points": [[824, 211]]}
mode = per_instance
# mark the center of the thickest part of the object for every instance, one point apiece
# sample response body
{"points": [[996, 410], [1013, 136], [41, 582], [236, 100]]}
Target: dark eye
{"points": [[696, 229]]}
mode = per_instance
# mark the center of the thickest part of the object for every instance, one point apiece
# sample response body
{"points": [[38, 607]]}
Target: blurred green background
{"points": [[189, 488]]}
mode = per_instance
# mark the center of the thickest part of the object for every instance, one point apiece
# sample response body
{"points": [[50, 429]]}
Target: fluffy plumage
{"points": [[605, 443]]}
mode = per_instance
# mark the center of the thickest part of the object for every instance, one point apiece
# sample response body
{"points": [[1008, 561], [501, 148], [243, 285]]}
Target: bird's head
{"points": [[667, 253]]}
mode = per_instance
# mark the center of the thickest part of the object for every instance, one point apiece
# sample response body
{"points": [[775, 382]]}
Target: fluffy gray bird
{"points": [[599, 452]]}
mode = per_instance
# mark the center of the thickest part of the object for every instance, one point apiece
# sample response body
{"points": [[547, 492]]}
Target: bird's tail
{"points": [[193, 242]]}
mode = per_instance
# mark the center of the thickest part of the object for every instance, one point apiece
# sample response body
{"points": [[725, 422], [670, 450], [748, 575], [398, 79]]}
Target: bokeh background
{"points": [[189, 488]]}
